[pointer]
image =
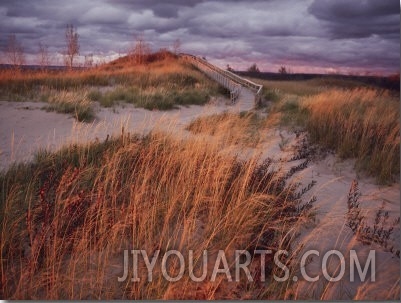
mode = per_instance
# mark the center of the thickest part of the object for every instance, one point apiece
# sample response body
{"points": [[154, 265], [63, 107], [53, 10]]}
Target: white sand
{"points": [[25, 128]]}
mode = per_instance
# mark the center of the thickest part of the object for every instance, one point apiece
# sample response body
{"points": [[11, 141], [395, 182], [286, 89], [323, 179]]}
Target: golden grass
{"points": [[67, 217], [360, 123], [242, 129], [355, 122]]}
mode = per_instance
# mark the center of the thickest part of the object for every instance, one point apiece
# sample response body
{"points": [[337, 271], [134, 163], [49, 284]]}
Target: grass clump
{"points": [[69, 102], [114, 96], [155, 99], [191, 97], [67, 217], [94, 95]]}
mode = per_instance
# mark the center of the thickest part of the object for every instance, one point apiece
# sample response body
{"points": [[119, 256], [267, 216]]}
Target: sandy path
{"points": [[25, 128]]}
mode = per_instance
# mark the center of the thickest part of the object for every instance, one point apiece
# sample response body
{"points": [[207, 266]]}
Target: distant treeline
{"points": [[389, 82], [39, 67], [145, 58]]}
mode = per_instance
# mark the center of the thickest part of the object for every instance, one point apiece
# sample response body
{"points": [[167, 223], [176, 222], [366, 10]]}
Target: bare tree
{"points": [[282, 70], [72, 47], [44, 56], [254, 68], [140, 51], [176, 46], [15, 52]]}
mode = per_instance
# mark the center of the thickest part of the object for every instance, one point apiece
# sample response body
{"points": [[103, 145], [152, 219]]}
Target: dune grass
{"points": [[67, 217], [76, 103], [242, 129], [359, 123], [350, 117], [162, 84], [356, 122]]}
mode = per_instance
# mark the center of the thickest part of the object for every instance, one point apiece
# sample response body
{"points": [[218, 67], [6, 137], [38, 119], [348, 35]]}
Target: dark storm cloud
{"points": [[345, 9], [359, 19], [164, 9], [325, 34]]}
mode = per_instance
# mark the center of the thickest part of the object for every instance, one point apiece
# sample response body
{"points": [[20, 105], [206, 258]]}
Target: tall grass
{"points": [[67, 217], [359, 123], [355, 121]]}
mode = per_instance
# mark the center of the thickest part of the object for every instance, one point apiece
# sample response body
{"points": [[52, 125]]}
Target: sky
{"points": [[323, 36]]}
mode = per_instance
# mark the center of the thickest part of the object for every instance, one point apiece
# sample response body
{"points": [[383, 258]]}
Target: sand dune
{"points": [[25, 128]]}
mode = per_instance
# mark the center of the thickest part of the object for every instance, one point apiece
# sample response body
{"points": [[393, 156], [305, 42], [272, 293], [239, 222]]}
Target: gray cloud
{"points": [[358, 19], [308, 35]]}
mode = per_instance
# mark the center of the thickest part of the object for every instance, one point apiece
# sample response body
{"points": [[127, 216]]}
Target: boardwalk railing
{"points": [[226, 78]]}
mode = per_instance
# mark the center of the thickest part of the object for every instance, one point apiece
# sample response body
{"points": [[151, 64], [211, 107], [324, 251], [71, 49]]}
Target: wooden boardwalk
{"points": [[243, 92]]}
